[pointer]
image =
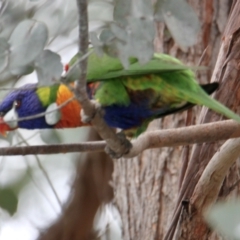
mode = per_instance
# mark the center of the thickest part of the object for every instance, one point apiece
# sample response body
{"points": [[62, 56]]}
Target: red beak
{"points": [[4, 127], [66, 67]]}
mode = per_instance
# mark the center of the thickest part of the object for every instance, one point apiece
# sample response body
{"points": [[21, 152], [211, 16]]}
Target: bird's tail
{"points": [[209, 88]]}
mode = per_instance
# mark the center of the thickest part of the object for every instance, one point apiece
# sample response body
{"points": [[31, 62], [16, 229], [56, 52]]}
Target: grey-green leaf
{"points": [[23, 70], [27, 42], [181, 21], [100, 11], [136, 42], [122, 11], [49, 68], [53, 114], [50, 136], [4, 54], [225, 218]]}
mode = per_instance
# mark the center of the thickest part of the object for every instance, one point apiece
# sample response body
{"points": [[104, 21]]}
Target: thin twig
{"points": [[44, 172], [210, 132], [202, 56], [38, 187], [53, 149]]}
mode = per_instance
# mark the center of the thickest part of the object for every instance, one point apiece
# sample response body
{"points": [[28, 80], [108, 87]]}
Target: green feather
{"points": [[47, 95], [101, 66], [105, 67], [112, 92]]}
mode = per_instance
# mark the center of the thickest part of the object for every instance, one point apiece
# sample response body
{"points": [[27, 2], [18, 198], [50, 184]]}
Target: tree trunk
{"points": [[90, 191], [150, 188]]}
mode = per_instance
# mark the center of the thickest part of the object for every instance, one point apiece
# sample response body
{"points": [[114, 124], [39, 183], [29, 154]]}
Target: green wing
{"points": [[100, 66], [172, 82], [107, 68], [175, 87], [115, 80]]}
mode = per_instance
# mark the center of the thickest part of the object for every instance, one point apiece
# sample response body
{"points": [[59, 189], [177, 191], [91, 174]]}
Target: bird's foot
{"points": [[86, 118], [126, 145]]}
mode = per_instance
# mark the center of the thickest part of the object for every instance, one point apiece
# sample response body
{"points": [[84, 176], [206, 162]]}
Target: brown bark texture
{"points": [[154, 191]]}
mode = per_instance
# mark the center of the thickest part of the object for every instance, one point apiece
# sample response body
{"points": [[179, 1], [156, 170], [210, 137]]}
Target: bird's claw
{"points": [[127, 145], [87, 119]]}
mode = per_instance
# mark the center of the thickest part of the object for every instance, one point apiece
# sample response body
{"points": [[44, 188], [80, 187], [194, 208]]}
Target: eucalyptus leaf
{"points": [[106, 35], [50, 136], [119, 32], [48, 67], [12, 12], [142, 9], [4, 54], [134, 30], [53, 114], [60, 16], [225, 218], [7, 76], [122, 10], [24, 70], [181, 21], [8, 200], [27, 42], [137, 42], [95, 40], [100, 11]]}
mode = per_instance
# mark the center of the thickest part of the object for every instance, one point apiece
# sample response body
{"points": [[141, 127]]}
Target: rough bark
{"points": [[227, 72], [147, 187]]}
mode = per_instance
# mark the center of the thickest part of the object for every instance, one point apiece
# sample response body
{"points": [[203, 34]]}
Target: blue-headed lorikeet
{"points": [[130, 98]]}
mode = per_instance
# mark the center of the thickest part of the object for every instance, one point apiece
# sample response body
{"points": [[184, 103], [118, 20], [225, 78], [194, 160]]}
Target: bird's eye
{"points": [[17, 103]]}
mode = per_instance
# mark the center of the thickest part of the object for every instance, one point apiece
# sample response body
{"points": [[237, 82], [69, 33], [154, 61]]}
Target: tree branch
{"points": [[210, 132], [96, 146], [208, 186], [88, 107]]}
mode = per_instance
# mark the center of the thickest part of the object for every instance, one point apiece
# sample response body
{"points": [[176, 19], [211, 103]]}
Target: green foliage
{"points": [[9, 194], [8, 200]]}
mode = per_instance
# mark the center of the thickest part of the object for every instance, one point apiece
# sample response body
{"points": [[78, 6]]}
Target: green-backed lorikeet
{"points": [[130, 98]]}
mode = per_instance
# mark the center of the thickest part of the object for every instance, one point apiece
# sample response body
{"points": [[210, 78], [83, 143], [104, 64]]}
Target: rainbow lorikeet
{"points": [[130, 98]]}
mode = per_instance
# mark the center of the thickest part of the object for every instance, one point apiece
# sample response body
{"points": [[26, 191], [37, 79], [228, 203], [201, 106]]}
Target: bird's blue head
{"points": [[23, 102]]}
